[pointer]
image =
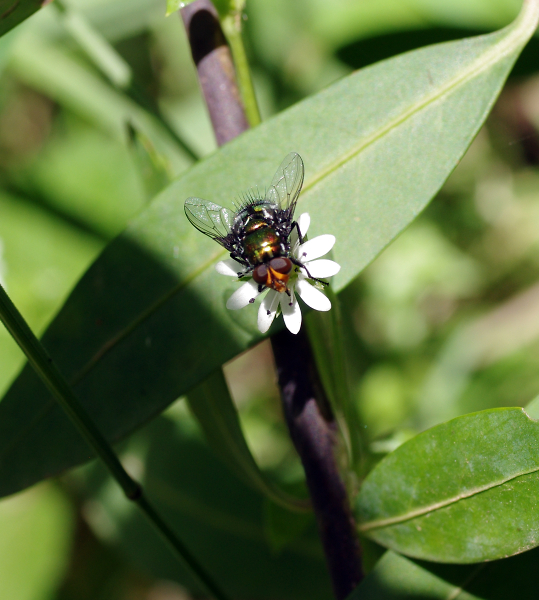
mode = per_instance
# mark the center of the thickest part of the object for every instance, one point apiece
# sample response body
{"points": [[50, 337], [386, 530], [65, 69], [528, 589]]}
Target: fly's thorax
{"points": [[257, 209], [253, 225], [262, 245]]}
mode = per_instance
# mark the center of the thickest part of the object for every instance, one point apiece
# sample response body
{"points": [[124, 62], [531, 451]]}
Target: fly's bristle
{"points": [[250, 197]]}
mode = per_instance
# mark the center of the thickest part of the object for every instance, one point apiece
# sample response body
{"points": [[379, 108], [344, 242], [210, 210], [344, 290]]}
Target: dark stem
{"points": [[306, 409], [215, 68], [313, 432]]}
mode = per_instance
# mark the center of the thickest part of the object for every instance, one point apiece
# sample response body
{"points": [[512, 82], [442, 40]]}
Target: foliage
{"points": [[100, 113]]}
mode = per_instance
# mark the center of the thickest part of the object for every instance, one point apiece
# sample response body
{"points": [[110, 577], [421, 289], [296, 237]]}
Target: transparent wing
{"points": [[286, 184], [210, 218]]}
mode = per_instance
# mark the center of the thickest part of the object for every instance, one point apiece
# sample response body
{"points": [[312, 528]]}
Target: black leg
{"points": [[300, 264], [300, 237], [243, 263], [243, 273]]}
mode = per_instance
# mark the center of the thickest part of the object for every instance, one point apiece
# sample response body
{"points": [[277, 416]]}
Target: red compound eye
{"points": [[260, 274], [281, 265]]}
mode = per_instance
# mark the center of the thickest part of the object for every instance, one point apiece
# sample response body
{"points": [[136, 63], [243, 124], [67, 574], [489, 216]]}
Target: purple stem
{"points": [[215, 69], [313, 432], [307, 412]]}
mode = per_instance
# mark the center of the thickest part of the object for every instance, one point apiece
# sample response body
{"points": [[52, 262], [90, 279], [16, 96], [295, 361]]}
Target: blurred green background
{"points": [[99, 109]]}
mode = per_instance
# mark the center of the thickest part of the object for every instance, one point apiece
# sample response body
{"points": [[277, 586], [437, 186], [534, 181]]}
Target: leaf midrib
{"points": [[419, 512], [475, 68]]}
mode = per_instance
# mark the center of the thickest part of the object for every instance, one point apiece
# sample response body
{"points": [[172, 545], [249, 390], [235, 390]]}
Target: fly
{"points": [[257, 235]]}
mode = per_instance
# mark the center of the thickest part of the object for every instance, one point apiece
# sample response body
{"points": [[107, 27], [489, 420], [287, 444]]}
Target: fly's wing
{"points": [[286, 184], [211, 219]]}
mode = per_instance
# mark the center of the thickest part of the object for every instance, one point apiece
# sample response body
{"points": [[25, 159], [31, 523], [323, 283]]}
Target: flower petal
{"points": [[323, 268], [268, 305], [312, 297], [291, 312], [315, 248], [304, 220], [229, 267], [243, 296]]}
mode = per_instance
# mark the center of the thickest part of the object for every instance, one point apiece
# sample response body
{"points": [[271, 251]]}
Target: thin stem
{"points": [[312, 429], [64, 395], [180, 549], [232, 28]]}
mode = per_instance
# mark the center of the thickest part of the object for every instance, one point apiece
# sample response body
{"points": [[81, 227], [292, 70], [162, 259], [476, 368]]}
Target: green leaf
{"points": [[148, 320], [396, 577], [13, 13], [175, 5], [212, 405], [153, 167], [350, 21], [464, 491]]}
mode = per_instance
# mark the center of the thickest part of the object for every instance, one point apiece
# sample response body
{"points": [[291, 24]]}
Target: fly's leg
{"points": [[243, 273], [299, 263], [302, 266], [239, 258], [300, 237]]}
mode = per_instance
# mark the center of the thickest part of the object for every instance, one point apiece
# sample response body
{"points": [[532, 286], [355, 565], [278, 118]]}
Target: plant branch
{"points": [[313, 432], [64, 395], [215, 69]]}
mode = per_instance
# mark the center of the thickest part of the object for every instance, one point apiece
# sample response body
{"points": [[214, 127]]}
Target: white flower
{"points": [[308, 254]]}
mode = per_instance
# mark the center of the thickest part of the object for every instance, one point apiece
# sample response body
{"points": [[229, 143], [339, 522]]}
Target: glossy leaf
{"points": [[464, 491], [148, 320]]}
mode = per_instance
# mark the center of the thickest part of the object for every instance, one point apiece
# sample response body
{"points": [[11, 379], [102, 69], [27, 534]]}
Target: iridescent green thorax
{"points": [[262, 244], [252, 225]]}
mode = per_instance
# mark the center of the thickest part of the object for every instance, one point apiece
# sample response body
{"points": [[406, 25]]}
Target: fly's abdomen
{"points": [[262, 245]]}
